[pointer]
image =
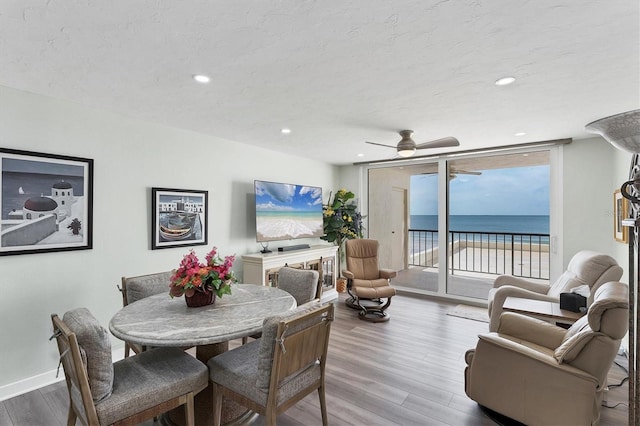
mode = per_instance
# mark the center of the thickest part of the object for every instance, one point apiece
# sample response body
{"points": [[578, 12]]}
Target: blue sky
{"points": [[514, 191]]}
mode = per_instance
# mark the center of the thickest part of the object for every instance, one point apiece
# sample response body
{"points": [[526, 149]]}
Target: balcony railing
{"points": [[496, 253]]}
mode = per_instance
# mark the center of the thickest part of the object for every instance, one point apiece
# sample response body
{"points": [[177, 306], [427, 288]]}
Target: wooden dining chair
{"points": [[302, 284], [129, 391], [271, 374], [139, 287]]}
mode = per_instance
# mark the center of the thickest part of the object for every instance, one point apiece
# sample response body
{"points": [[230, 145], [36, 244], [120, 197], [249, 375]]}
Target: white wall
{"points": [[130, 157], [589, 167]]}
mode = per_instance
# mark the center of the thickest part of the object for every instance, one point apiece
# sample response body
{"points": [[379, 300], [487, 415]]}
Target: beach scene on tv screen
{"points": [[287, 211]]}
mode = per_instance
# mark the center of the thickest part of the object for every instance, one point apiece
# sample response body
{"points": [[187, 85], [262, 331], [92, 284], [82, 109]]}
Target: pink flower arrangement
{"points": [[192, 276]]}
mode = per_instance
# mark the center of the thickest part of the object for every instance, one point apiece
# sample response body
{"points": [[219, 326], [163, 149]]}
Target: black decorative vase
{"points": [[200, 298]]}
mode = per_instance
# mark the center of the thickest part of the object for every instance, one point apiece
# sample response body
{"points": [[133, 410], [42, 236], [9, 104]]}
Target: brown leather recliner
{"points": [[367, 284], [585, 268], [540, 374]]}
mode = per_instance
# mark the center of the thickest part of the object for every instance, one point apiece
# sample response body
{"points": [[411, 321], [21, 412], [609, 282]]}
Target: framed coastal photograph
{"points": [[620, 212], [46, 203], [179, 218]]}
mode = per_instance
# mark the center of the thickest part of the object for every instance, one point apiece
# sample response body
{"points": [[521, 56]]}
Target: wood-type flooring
{"points": [[408, 371]]}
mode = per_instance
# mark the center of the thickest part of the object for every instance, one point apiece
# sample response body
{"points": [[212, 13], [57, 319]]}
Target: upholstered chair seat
{"points": [[540, 374], [585, 268], [368, 284]]}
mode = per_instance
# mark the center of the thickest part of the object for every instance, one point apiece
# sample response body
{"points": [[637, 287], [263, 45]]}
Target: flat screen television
{"points": [[286, 211]]}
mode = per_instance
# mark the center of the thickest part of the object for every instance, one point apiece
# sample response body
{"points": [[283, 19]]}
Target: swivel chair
{"points": [[367, 284]]}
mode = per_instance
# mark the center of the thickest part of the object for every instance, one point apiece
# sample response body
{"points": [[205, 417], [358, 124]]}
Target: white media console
{"points": [[262, 268]]}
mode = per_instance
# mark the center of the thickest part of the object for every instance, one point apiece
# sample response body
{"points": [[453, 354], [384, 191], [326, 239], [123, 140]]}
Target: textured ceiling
{"points": [[336, 72]]}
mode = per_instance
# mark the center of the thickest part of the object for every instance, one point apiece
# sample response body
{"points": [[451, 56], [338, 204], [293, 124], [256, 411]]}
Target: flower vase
{"points": [[200, 298]]}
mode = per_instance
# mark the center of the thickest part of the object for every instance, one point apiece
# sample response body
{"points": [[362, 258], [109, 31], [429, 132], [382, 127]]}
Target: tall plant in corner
{"points": [[341, 220]]}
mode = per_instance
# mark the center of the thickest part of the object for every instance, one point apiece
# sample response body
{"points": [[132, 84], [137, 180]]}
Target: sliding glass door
{"points": [[451, 225], [498, 221]]}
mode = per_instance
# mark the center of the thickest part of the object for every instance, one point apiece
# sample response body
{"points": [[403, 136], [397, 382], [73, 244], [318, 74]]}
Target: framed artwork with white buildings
{"points": [[46, 202], [179, 217]]}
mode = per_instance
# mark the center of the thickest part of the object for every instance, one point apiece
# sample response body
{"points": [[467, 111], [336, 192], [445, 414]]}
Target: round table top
{"points": [[160, 320]]}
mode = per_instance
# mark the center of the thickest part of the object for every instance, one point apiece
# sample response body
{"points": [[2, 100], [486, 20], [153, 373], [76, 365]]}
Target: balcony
{"points": [[475, 258]]}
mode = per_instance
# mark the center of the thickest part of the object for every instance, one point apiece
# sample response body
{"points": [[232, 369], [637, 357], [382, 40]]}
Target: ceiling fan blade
{"points": [[439, 143], [453, 172], [380, 144]]}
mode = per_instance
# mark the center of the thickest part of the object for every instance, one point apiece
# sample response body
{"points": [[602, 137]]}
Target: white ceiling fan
{"points": [[407, 146]]}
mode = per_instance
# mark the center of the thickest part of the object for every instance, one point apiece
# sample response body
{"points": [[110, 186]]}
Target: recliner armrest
{"points": [[503, 280], [388, 273], [348, 274], [532, 354], [498, 296], [531, 330]]}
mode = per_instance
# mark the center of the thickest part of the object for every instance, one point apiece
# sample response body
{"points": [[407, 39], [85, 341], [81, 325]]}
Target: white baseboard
{"points": [[45, 379], [29, 384]]}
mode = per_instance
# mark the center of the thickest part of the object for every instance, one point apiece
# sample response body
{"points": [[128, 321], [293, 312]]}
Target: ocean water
{"points": [[485, 223], [479, 228]]}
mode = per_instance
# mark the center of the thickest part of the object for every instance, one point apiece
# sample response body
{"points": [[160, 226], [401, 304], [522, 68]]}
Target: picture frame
{"points": [[46, 203], [620, 212], [179, 217]]}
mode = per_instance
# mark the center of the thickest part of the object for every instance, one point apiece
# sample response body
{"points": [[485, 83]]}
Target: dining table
{"points": [[163, 321]]}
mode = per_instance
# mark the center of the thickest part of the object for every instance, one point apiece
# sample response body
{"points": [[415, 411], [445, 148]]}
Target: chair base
{"points": [[374, 316], [364, 303], [372, 310]]}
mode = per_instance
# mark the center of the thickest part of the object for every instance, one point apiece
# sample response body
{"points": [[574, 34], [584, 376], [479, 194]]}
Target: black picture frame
{"points": [[46, 203], [178, 217]]}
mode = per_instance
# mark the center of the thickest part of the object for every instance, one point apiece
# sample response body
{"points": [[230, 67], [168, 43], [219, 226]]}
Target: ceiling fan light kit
{"points": [[406, 152], [407, 146]]}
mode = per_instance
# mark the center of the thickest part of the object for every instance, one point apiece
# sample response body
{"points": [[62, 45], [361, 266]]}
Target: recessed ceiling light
{"points": [[200, 78], [361, 155], [285, 131], [520, 134], [504, 81]]}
